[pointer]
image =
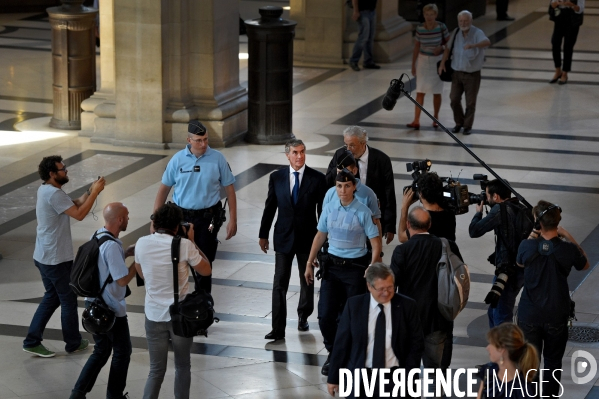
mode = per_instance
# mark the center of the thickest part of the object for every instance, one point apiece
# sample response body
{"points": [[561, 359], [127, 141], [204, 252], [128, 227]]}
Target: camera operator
{"points": [[502, 220], [430, 192], [545, 304]]}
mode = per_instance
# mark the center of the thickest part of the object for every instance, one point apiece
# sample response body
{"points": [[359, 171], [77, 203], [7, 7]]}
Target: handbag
{"points": [[447, 75], [572, 18], [195, 313]]}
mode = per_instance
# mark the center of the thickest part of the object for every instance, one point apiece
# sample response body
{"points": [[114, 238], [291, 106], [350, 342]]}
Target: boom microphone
{"points": [[395, 88]]}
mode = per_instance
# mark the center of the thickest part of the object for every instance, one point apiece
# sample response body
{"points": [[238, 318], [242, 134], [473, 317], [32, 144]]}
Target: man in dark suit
{"points": [[375, 171], [414, 264], [297, 192], [360, 343]]}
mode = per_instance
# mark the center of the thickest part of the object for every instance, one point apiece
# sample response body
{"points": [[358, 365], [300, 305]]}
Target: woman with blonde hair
{"points": [[431, 37], [513, 360]]}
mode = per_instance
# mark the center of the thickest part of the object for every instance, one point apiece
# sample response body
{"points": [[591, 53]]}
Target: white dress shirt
{"points": [[363, 165], [292, 177], [373, 314]]}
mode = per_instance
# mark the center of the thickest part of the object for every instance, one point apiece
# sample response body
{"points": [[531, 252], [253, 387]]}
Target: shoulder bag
{"points": [[195, 313], [447, 75]]}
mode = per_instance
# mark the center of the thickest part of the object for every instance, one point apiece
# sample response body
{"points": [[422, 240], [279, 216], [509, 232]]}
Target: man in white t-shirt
{"points": [[154, 264], [53, 255]]}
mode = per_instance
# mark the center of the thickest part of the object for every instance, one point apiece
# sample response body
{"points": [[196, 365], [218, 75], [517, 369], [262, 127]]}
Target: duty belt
{"points": [[201, 212]]}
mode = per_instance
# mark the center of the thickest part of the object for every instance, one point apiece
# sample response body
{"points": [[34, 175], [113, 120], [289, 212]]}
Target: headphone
{"points": [[537, 225]]}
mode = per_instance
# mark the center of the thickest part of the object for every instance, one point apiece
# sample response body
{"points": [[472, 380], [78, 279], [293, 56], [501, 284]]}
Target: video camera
{"points": [[455, 194]]}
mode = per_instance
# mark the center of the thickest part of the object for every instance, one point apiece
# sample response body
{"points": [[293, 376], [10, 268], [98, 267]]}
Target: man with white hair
{"points": [[467, 61], [374, 171]]}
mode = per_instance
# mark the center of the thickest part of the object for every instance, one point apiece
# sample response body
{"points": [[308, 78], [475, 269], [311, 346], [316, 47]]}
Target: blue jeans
{"points": [[504, 311], [550, 339], [56, 279], [158, 334], [118, 340], [365, 39]]}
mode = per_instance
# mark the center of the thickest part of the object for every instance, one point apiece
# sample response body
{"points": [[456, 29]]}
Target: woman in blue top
{"points": [[431, 37], [513, 366]]}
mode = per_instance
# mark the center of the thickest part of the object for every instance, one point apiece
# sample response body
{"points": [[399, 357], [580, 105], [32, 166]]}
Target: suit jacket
{"points": [[349, 350], [296, 224], [380, 180]]}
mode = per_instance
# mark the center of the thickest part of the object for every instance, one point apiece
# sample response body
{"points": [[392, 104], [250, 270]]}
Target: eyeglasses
{"points": [[204, 140], [383, 289], [64, 168]]}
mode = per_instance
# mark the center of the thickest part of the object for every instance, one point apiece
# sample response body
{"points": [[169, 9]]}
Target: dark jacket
{"points": [[296, 224], [351, 340], [380, 180], [414, 264]]}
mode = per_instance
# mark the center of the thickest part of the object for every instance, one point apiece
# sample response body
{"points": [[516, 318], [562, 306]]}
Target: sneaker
{"points": [[40, 351], [354, 66], [82, 346]]}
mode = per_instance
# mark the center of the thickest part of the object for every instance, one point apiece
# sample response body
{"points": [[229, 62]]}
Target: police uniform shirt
{"points": [[373, 314], [197, 180], [363, 193], [347, 228]]}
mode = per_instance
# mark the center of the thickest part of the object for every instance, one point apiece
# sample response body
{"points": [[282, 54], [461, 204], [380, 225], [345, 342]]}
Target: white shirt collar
{"points": [[301, 170], [374, 303]]}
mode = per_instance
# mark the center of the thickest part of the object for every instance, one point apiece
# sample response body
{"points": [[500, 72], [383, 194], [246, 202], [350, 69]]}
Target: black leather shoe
{"points": [[274, 335], [556, 79], [302, 325], [325, 366], [506, 18], [371, 66], [467, 130], [457, 128]]}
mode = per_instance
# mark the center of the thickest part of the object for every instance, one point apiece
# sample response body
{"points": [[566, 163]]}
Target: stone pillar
{"points": [[319, 37], [174, 60], [98, 116], [393, 33]]}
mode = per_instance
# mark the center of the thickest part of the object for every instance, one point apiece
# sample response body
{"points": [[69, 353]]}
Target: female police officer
{"points": [[347, 223]]}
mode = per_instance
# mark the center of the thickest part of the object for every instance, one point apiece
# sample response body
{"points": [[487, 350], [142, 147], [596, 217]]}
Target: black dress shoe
{"points": [[302, 325], [274, 335], [457, 128], [505, 18], [325, 366], [371, 66], [562, 82], [467, 130], [556, 79]]}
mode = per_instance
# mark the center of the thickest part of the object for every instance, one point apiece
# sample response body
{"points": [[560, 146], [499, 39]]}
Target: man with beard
{"points": [[53, 255]]}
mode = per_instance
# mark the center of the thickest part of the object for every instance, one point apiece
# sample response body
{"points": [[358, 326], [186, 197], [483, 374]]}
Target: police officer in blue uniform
{"points": [[348, 225], [197, 172], [363, 193]]}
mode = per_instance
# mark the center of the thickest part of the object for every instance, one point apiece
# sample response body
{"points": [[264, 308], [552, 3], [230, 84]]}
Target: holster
{"points": [[324, 260]]}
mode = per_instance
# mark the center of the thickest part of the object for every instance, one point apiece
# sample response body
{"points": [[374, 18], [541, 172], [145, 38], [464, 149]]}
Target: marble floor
{"points": [[541, 137]]}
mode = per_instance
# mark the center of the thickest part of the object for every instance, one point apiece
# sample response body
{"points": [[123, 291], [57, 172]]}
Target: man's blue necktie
{"points": [[295, 192]]}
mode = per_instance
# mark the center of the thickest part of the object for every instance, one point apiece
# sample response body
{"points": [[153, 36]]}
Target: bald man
{"points": [[111, 265], [414, 264]]}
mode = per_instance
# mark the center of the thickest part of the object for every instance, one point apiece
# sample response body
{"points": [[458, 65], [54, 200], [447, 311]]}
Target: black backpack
{"points": [[85, 276], [523, 225]]}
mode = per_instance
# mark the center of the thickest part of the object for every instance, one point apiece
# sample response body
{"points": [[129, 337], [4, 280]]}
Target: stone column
{"points": [[319, 37], [393, 33], [174, 60]]}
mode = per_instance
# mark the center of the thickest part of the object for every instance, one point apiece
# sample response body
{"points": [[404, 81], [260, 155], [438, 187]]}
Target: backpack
{"points": [[453, 283], [523, 225], [85, 276]]}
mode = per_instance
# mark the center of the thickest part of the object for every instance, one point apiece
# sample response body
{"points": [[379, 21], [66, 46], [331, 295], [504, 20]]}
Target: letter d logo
{"points": [[580, 367]]}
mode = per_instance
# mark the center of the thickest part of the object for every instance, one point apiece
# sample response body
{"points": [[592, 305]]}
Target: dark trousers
{"points": [[206, 241], [117, 340], [563, 31], [280, 286], [56, 279], [341, 283], [501, 8], [468, 84], [447, 349], [550, 340]]}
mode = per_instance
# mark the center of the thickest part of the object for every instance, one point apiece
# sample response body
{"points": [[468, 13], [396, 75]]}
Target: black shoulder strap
{"points": [[455, 33], [175, 257], [504, 233], [108, 237]]}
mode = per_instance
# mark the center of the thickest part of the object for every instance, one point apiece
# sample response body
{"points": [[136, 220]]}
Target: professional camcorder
{"points": [[456, 194]]}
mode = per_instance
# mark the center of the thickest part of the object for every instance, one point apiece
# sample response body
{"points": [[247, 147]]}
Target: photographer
{"points": [[154, 264], [502, 219], [545, 306], [430, 193]]}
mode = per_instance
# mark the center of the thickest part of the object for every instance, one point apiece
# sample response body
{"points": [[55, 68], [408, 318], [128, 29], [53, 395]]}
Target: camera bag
{"points": [[195, 313], [447, 75], [453, 283]]}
